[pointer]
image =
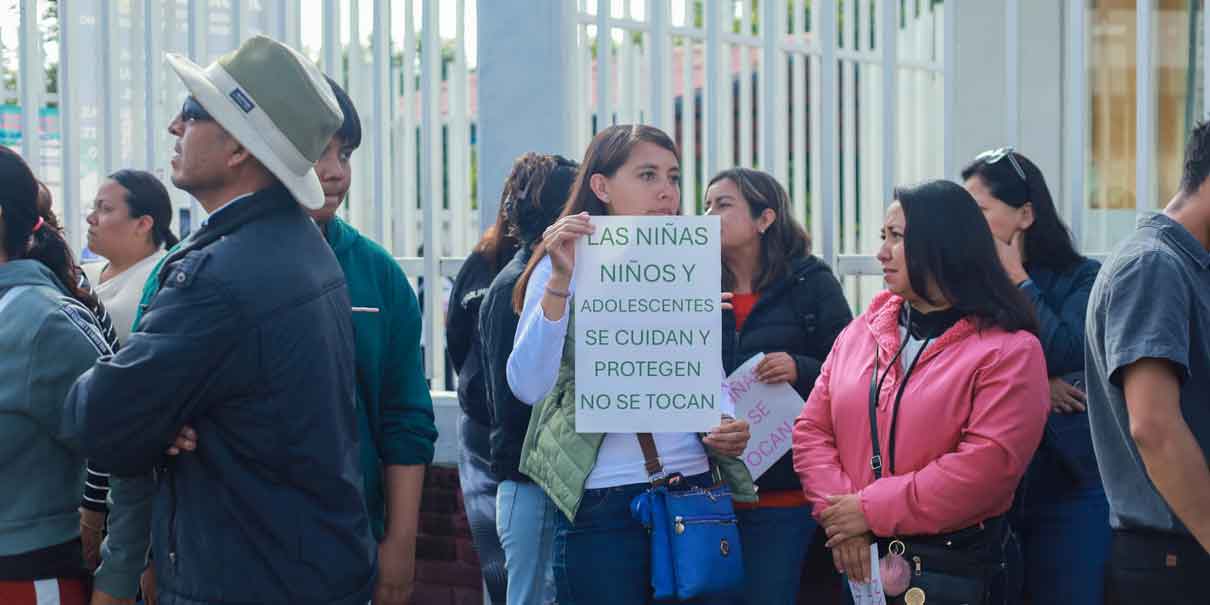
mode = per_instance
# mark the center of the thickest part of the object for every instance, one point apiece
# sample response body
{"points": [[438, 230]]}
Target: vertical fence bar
{"points": [[604, 66], [1205, 59], [431, 186], [1077, 112], [888, 22], [153, 16], [727, 93], [459, 139], [772, 25], [1012, 72], [950, 91], [1145, 116], [802, 100], [410, 144], [848, 133], [745, 117], [380, 71], [31, 86], [826, 151], [818, 194], [711, 162], [689, 196], [331, 40], [69, 122], [290, 15], [109, 102], [659, 79]]}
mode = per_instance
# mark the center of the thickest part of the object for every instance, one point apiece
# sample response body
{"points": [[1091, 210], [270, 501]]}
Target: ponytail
{"points": [[147, 196], [48, 247]]}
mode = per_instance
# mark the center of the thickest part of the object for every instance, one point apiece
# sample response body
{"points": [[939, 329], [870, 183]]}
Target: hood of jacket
{"points": [[27, 272]]}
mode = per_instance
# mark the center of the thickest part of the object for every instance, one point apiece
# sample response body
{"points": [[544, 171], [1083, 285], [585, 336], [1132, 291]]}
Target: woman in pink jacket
{"points": [[948, 363]]}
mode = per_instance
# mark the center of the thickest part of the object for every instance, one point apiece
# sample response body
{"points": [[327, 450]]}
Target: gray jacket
{"points": [[47, 340]]}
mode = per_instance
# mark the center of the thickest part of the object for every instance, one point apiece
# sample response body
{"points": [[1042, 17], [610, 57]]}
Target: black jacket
{"points": [[498, 325], [250, 341], [462, 336], [802, 315]]}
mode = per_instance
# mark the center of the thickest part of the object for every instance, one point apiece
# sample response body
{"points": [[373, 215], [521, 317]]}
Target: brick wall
{"points": [[447, 568]]}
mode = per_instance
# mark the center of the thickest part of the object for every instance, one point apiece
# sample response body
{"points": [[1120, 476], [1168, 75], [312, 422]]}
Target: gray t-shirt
{"points": [[1152, 299]]}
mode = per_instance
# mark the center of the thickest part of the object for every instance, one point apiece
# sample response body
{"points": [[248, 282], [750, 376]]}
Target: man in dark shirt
{"points": [[1148, 371]]}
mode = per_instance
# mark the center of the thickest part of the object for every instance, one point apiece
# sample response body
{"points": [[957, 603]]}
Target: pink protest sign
{"points": [[770, 410]]}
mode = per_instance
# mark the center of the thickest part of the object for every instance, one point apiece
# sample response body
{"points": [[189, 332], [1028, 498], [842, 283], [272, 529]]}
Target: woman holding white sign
{"points": [[945, 368], [601, 553], [788, 305]]}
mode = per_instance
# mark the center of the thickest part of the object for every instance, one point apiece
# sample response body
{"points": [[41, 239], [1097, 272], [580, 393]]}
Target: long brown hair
{"points": [[783, 241], [607, 152]]}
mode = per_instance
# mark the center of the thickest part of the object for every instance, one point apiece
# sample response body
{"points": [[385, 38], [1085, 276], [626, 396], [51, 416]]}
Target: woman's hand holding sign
{"points": [[729, 438], [559, 240]]}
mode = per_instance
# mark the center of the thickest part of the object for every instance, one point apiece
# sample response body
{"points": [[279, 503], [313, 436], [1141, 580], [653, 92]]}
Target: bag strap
{"points": [[875, 389], [651, 456]]}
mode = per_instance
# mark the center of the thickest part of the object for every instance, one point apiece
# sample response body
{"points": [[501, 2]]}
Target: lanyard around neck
{"points": [[875, 389]]}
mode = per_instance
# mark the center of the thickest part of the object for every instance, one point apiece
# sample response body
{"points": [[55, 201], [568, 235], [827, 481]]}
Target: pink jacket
{"points": [[972, 415]]}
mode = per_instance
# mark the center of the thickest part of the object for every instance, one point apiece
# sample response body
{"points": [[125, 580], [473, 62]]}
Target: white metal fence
{"points": [[799, 88]]}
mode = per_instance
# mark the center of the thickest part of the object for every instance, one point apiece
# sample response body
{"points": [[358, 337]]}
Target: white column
{"points": [[431, 192], [525, 100], [888, 23]]}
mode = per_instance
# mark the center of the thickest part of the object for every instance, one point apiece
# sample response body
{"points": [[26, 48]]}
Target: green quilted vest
{"points": [[559, 459]]}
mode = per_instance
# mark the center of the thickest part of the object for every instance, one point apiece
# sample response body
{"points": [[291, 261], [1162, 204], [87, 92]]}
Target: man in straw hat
{"points": [[250, 340]]}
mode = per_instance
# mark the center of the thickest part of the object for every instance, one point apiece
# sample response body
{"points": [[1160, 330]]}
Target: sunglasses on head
{"points": [[192, 110], [995, 155]]}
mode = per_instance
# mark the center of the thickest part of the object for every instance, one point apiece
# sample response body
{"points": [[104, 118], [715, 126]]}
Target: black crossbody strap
{"points": [[875, 389]]}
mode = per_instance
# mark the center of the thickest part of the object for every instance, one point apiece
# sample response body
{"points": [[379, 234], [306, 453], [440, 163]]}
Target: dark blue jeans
{"points": [[604, 557], [1063, 532], [775, 542]]}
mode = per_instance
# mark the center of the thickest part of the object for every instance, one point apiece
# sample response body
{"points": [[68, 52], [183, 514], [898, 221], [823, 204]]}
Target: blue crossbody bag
{"points": [[695, 549]]}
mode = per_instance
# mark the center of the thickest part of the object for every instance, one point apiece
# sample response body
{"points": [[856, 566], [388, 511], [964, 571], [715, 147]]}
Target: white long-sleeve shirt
{"points": [[533, 368]]}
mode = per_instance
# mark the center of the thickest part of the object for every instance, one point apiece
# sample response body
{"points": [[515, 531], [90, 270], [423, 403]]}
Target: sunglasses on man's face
{"points": [[995, 155], [193, 111]]}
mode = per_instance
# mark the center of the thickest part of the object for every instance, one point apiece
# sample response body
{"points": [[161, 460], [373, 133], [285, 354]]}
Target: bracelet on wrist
{"points": [[559, 293]]}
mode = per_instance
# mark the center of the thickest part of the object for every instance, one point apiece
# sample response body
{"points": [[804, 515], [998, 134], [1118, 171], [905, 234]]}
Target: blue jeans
{"points": [[604, 557], [775, 543], [1064, 535], [479, 498], [525, 520]]}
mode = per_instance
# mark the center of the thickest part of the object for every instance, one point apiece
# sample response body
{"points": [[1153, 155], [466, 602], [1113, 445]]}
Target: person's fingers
{"points": [[838, 560], [853, 563], [1077, 394], [866, 563], [173, 450]]}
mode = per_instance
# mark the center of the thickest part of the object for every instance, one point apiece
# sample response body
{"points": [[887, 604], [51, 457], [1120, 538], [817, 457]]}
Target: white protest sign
{"points": [[647, 323], [770, 410], [869, 593]]}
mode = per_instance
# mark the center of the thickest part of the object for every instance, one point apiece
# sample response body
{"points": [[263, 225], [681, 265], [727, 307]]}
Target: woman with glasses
{"points": [[945, 369], [1061, 515]]}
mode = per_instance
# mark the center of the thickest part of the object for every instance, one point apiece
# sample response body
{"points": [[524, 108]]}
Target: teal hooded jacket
{"points": [[47, 340], [394, 407]]}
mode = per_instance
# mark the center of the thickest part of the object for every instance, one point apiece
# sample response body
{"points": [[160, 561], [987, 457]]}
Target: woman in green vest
{"points": [[601, 554]]}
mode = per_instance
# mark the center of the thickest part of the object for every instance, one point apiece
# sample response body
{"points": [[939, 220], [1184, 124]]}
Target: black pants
{"points": [[1157, 569]]}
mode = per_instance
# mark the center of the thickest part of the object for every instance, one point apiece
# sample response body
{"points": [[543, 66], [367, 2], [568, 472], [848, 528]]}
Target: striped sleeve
{"points": [[96, 484]]}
